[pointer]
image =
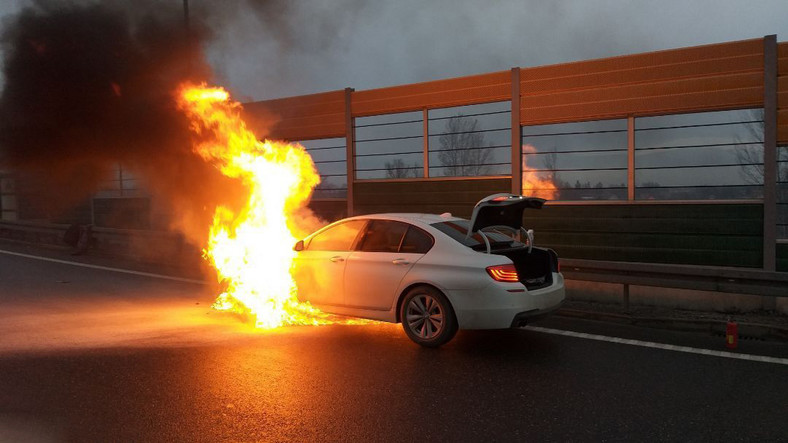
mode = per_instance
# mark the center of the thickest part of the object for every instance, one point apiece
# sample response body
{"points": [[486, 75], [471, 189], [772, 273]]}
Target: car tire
{"points": [[427, 317]]}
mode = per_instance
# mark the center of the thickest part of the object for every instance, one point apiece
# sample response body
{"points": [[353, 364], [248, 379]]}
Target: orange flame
{"points": [[252, 250], [533, 185]]}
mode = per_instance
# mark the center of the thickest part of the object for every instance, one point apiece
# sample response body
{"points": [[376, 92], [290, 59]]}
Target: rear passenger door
{"points": [[385, 253]]}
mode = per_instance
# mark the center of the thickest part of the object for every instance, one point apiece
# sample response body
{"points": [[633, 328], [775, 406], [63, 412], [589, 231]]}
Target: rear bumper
{"points": [[526, 317], [495, 307]]}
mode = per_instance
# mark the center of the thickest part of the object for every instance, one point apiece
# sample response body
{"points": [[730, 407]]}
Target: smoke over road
{"points": [[88, 86]]}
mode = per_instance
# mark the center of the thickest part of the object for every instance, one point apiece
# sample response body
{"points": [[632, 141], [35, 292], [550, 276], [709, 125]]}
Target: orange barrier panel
{"points": [[653, 73], [712, 77], [703, 78], [483, 88], [299, 118], [782, 93]]}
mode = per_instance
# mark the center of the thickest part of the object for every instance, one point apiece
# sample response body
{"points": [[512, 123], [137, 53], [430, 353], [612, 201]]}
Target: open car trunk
{"points": [[496, 223], [535, 266]]}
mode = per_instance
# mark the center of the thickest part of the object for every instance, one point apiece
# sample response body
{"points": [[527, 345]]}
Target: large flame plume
{"points": [[252, 249], [533, 184]]}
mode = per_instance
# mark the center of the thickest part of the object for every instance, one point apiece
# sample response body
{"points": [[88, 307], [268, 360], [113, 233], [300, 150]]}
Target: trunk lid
{"points": [[502, 210]]}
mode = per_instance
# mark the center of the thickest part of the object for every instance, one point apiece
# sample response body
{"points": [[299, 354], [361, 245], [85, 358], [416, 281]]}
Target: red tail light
{"points": [[505, 273]]}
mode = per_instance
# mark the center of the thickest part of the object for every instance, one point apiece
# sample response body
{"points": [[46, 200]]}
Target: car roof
{"points": [[414, 217], [424, 220]]}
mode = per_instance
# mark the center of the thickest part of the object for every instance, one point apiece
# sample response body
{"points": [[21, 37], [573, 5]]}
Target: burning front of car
{"points": [[121, 89], [252, 248]]}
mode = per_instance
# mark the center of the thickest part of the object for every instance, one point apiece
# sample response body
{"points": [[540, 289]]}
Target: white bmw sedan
{"points": [[433, 273]]}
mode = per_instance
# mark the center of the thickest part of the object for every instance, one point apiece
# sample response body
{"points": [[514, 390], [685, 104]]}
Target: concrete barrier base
{"points": [[613, 293], [150, 247]]}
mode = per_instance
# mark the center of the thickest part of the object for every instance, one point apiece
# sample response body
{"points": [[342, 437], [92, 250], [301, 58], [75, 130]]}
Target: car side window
{"points": [[383, 236], [337, 238], [416, 241]]}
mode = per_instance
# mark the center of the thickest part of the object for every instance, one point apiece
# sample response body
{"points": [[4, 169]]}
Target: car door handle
{"points": [[400, 261], [337, 258]]}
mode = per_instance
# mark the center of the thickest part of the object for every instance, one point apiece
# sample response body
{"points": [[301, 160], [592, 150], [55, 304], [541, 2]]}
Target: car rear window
{"points": [[458, 230], [416, 241]]}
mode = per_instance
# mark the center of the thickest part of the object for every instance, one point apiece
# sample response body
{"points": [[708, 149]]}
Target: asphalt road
{"points": [[95, 355]]}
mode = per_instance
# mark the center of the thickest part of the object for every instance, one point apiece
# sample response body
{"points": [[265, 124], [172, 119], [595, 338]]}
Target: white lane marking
{"points": [[649, 344], [105, 268]]}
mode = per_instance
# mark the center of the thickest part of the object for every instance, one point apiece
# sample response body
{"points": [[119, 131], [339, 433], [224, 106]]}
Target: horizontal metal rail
{"points": [[478, 114], [702, 278], [706, 278], [700, 125], [552, 134]]}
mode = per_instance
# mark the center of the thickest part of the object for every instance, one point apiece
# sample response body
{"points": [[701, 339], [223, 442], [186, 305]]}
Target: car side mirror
{"points": [[299, 246]]}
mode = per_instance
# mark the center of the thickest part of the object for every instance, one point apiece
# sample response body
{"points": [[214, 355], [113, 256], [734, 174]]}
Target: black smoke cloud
{"points": [[90, 85]]}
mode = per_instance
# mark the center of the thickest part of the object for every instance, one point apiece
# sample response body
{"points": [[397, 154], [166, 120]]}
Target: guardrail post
{"points": [[350, 151], [517, 149], [626, 297], [8, 201]]}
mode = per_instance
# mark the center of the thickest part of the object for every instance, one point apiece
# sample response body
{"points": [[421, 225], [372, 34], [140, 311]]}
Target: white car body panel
{"points": [[372, 279], [323, 273], [373, 282]]}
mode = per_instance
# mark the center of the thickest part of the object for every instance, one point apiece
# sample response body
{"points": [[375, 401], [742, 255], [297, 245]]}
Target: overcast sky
{"points": [[269, 49]]}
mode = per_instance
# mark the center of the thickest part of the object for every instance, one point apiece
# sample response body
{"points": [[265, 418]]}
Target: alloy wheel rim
{"points": [[424, 316]]}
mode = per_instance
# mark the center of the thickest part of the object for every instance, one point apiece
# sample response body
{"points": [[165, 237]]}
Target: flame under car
{"points": [[433, 273]]}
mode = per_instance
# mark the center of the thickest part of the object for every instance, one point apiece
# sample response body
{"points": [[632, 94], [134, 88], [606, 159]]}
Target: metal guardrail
{"points": [[152, 247], [703, 278]]}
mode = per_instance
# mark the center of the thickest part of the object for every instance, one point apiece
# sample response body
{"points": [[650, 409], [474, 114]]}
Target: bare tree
{"points": [[551, 164], [462, 150], [328, 189], [398, 169], [751, 157]]}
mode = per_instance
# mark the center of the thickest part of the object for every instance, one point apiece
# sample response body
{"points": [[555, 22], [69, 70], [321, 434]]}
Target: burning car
{"points": [[433, 273]]}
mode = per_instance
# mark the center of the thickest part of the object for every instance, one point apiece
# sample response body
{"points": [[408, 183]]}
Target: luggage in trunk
{"points": [[535, 268]]}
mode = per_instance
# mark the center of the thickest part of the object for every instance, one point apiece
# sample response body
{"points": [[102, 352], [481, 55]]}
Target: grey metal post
{"points": [[769, 160], [426, 118], [350, 151], [186, 13], [769, 152], [187, 29], [630, 160], [517, 148]]}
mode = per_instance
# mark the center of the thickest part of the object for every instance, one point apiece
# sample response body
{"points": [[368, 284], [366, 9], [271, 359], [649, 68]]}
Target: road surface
{"points": [[89, 354]]}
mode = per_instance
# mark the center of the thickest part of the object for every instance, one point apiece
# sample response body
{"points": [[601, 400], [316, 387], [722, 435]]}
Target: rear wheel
{"points": [[427, 317]]}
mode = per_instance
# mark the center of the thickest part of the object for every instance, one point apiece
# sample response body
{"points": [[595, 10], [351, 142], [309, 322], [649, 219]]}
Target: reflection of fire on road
{"points": [[533, 184], [252, 249]]}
